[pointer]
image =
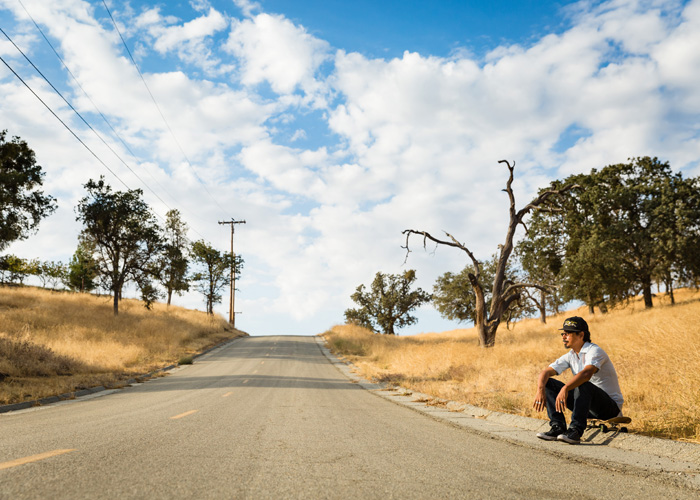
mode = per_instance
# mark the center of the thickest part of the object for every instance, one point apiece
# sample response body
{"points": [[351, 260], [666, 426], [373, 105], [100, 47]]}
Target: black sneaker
{"points": [[572, 436], [551, 435]]}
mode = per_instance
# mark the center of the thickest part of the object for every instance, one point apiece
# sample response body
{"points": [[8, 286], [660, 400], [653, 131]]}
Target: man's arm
{"points": [[579, 379], [540, 398]]}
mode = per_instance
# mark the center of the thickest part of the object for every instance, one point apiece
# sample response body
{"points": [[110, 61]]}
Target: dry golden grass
{"points": [[655, 352], [57, 342]]}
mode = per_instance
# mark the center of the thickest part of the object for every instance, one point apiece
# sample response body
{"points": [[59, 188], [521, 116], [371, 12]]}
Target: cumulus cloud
{"points": [[272, 49], [247, 7], [190, 40], [167, 38]]}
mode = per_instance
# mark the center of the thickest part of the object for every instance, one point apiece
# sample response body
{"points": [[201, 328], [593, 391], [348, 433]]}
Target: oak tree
{"points": [[174, 262], [82, 270], [124, 233], [22, 203], [454, 298], [387, 305], [626, 226], [212, 274]]}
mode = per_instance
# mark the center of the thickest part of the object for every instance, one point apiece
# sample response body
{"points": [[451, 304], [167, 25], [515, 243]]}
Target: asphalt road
{"points": [[270, 417]]}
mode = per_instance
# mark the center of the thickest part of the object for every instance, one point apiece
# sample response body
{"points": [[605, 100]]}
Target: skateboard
{"points": [[612, 424]]}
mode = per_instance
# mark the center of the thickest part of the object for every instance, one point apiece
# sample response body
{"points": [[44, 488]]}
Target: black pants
{"points": [[586, 401]]}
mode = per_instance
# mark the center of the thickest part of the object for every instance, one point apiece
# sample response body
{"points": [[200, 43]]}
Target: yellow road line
{"points": [[33, 458], [227, 395], [186, 414]]}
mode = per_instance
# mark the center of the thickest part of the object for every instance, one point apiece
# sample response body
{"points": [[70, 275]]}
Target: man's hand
{"points": [[540, 401], [560, 403], [540, 398]]}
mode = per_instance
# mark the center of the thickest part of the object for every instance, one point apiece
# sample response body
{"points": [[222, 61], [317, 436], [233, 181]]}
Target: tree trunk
{"points": [[170, 294], [542, 306], [480, 321], [603, 308], [486, 328], [210, 297], [646, 293], [669, 291], [489, 334]]}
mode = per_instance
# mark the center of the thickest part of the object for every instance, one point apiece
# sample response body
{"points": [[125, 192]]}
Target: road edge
{"points": [[673, 461], [137, 379]]}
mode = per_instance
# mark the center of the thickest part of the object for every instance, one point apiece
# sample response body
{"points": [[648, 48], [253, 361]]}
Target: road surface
{"points": [[270, 417]]}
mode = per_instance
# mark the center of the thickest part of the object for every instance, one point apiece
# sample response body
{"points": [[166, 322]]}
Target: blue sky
{"points": [[386, 29], [332, 126]]}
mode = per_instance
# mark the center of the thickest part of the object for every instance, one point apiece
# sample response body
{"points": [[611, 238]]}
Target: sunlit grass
{"points": [[655, 352], [58, 342]]}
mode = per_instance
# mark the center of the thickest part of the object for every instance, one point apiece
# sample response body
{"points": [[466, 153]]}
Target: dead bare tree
{"points": [[504, 292]]}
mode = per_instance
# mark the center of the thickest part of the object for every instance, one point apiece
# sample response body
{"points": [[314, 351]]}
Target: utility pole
{"points": [[232, 313]]}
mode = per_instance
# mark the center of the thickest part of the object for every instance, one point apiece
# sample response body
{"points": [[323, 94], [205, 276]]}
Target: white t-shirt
{"points": [[591, 354]]}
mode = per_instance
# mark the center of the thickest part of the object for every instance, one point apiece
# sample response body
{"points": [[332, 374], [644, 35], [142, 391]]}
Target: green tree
{"points": [[213, 271], [52, 273], [173, 262], [388, 304], [688, 244], [627, 225], [32, 267], [679, 232], [124, 233], [454, 297], [83, 270], [13, 269], [22, 203], [541, 256]]}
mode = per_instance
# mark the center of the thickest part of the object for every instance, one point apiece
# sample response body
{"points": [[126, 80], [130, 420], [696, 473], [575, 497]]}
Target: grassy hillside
{"points": [[656, 353], [57, 342]]}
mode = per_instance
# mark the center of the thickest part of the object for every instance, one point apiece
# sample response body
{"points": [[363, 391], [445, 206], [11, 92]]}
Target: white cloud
{"points": [[167, 38], [247, 7], [298, 134], [678, 58], [272, 49], [190, 40]]}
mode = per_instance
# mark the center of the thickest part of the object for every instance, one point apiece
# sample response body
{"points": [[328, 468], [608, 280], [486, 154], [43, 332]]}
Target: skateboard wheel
{"points": [[624, 429], [604, 428]]}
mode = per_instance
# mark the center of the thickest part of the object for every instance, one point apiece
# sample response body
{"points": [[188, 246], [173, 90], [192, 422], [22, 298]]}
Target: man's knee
{"points": [[585, 389], [554, 385], [583, 395]]}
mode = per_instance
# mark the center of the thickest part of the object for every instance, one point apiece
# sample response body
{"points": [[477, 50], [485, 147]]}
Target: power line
{"points": [[67, 127], [158, 108], [81, 117], [126, 146], [83, 120], [63, 123]]}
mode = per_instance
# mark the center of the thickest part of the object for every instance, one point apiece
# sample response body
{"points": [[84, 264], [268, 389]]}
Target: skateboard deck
{"points": [[612, 424]]}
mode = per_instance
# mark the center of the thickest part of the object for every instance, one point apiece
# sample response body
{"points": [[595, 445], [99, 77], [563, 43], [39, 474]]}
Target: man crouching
{"points": [[593, 392]]}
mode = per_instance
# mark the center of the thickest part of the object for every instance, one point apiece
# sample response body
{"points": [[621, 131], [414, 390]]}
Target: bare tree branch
{"points": [[503, 292], [509, 186], [452, 243], [543, 197]]}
